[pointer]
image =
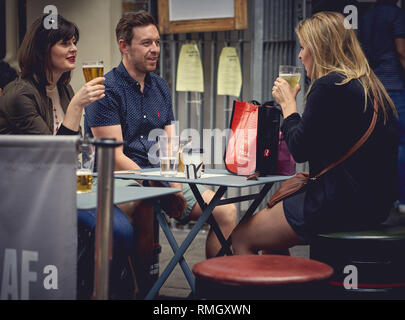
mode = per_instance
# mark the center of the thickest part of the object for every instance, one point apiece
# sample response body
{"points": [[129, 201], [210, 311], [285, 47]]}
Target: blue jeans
{"points": [[398, 97], [123, 237]]}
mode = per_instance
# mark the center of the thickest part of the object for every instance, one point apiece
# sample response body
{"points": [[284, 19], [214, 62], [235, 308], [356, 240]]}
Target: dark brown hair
{"points": [[129, 21], [34, 52]]}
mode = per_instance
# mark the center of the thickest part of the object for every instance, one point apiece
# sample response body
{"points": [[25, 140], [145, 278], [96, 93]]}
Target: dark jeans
{"points": [[121, 281], [398, 97]]}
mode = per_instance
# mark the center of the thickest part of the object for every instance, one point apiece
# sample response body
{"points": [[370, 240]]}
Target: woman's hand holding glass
{"points": [[286, 96], [90, 92], [94, 88]]}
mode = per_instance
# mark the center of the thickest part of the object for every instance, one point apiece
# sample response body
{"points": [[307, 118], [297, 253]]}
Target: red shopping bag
{"points": [[253, 141]]}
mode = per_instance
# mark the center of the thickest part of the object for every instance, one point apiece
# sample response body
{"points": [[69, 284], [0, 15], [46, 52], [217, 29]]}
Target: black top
{"points": [[360, 191]]}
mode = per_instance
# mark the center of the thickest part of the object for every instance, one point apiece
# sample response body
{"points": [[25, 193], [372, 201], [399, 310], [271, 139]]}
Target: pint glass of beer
{"points": [[291, 74], [93, 70], [85, 166]]}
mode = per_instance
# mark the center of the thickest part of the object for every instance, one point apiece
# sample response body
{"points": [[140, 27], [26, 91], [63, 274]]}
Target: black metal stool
{"points": [[371, 260]]}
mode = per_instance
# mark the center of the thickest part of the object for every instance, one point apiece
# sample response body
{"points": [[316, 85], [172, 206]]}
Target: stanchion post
{"points": [[104, 221]]}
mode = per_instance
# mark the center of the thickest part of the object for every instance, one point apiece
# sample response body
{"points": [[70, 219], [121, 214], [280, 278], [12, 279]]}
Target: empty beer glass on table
{"points": [[93, 69], [291, 74], [85, 166], [168, 154]]}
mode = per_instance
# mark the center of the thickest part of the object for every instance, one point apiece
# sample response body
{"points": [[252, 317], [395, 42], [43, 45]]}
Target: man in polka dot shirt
{"points": [[138, 101]]}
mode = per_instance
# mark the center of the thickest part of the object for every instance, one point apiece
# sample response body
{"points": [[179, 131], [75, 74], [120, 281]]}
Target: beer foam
{"points": [[83, 172], [93, 66]]}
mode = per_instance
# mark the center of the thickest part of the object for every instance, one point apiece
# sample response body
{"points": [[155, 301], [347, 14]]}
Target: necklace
{"points": [[56, 119], [52, 93], [55, 114]]}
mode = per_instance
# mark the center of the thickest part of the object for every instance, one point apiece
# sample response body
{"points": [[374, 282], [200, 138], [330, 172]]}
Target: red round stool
{"points": [[260, 277]]}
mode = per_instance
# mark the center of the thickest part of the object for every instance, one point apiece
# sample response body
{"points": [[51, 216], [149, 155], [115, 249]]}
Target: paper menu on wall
{"points": [[189, 69], [229, 73]]}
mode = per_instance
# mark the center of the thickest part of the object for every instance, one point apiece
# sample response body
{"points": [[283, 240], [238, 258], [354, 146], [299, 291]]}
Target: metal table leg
{"points": [[259, 198], [226, 246], [173, 243], [186, 243]]}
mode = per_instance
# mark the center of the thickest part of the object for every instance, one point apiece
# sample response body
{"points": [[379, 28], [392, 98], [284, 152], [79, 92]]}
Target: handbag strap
{"points": [[359, 143]]}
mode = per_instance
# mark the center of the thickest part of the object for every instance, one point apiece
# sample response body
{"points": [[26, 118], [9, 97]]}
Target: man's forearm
{"points": [[122, 162]]}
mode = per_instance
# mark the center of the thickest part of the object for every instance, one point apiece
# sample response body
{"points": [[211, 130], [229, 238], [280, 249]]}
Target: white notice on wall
{"points": [[229, 73], [189, 69]]}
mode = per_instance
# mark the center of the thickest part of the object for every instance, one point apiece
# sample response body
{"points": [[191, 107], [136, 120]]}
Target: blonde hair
{"points": [[337, 49]]}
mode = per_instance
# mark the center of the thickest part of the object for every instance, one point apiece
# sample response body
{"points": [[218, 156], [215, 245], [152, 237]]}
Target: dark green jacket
{"points": [[24, 110]]}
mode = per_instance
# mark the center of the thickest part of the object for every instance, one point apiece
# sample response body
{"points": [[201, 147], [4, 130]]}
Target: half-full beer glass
{"points": [[291, 74], [85, 166], [93, 70]]}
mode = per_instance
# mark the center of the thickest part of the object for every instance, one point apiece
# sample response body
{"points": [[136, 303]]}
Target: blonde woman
{"points": [[359, 192]]}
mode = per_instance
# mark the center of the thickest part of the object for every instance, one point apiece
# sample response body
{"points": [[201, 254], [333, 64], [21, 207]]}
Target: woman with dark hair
{"points": [[41, 101]]}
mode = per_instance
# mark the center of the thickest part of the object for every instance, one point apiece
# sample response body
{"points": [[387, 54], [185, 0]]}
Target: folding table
{"points": [[213, 177], [122, 195]]}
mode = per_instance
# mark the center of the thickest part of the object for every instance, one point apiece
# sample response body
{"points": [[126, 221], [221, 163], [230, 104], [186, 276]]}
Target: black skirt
{"points": [[335, 202]]}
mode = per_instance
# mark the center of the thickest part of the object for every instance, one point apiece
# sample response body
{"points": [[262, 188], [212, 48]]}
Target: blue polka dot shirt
{"points": [[137, 112]]}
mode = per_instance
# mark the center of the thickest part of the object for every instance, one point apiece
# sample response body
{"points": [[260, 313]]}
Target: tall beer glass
{"points": [[85, 167], [93, 69], [291, 74]]}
